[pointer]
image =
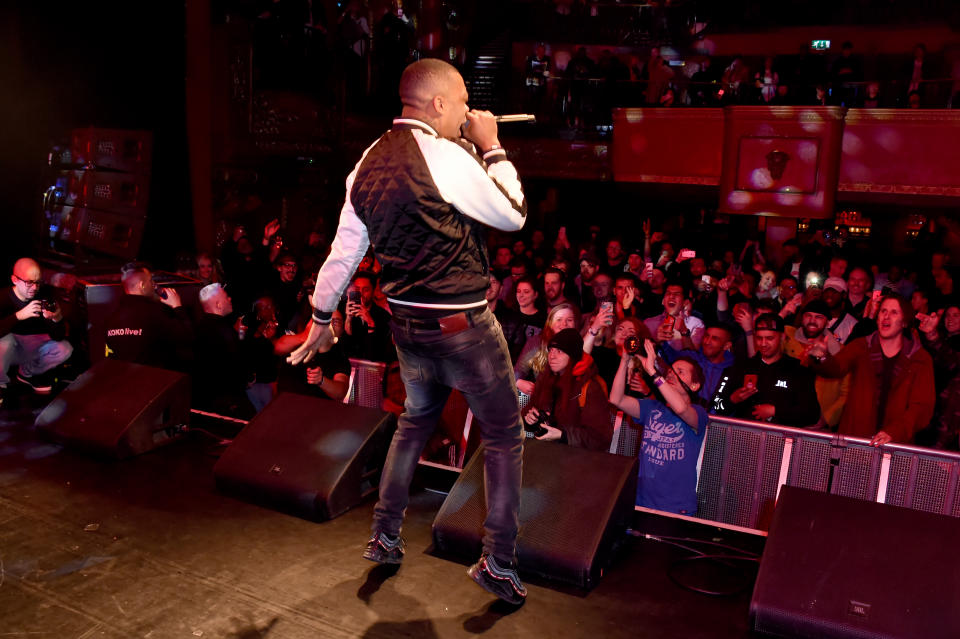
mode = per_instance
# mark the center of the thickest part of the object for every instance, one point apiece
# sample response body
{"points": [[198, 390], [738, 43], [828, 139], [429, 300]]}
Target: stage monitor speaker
{"points": [[118, 409], [575, 507], [312, 457], [842, 567]]}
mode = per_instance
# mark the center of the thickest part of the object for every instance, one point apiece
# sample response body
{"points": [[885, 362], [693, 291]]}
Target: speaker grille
{"points": [[709, 486], [857, 474], [930, 492], [810, 466], [367, 387]]}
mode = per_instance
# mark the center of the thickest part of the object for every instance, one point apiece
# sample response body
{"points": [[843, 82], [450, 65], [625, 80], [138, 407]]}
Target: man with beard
{"points": [[831, 393], [714, 356], [840, 323], [770, 386]]}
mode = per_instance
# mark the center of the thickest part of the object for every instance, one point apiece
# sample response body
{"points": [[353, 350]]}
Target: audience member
{"points": [[797, 342], [769, 386], [946, 358], [674, 427], [891, 393], [834, 296], [32, 331], [533, 358], [220, 371], [553, 283], [569, 400], [675, 323], [523, 322], [859, 288], [149, 326], [713, 357], [367, 326]]}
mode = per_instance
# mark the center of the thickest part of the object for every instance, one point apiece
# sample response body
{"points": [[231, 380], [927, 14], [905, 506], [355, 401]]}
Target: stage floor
{"points": [[147, 547]]}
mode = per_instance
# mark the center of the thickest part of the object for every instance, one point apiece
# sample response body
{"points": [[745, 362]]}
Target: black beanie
{"points": [[569, 341]]}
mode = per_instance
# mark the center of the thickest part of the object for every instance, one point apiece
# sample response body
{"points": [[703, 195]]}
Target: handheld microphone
{"points": [[510, 119]]}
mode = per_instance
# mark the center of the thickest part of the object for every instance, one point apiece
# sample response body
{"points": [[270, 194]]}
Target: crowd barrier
{"points": [[743, 464]]}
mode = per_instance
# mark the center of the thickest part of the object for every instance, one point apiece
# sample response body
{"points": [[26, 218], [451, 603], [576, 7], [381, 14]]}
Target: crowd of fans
{"points": [[572, 88], [665, 333]]}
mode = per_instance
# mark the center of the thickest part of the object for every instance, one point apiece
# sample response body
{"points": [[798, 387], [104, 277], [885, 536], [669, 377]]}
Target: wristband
{"points": [[322, 317], [593, 332], [658, 381], [748, 332]]}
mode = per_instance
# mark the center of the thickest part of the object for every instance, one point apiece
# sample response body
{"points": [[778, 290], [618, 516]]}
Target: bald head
{"points": [[26, 278], [26, 268], [425, 79]]}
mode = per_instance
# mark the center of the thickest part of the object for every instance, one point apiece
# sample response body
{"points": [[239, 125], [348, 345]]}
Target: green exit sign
{"points": [[820, 45]]}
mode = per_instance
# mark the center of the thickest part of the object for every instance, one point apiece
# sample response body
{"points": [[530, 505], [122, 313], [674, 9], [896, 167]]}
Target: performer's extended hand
{"points": [[320, 339]]}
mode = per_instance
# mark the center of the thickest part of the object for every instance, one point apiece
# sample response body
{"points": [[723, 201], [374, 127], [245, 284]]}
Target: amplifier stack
{"points": [[101, 187]]}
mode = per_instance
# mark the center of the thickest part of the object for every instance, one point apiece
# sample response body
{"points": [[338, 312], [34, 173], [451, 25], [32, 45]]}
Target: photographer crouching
{"points": [[569, 400], [31, 330], [673, 428]]}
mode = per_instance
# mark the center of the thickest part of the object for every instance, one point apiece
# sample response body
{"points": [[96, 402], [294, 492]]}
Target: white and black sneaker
{"points": [[498, 578]]}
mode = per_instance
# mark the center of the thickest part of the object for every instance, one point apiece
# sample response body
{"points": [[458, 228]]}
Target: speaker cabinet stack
{"points": [[98, 202]]}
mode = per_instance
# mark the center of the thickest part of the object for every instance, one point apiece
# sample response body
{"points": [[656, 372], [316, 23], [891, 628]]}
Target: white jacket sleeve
{"points": [[493, 196]]}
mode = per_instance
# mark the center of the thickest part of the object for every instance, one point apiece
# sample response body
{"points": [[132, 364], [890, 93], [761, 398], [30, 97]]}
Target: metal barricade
{"points": [[745, 463], [366, 383]]}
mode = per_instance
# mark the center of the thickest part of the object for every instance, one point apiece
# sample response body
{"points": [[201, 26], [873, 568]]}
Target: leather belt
{"points": [[446, 325]]}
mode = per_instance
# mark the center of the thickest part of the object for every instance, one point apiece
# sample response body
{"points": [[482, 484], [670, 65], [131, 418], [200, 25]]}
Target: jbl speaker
{"points": [[842, 567], [575, 507], [118, 409], [312, 457]]}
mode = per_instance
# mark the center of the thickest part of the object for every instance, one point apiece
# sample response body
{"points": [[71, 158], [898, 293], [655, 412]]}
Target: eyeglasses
{"points": [[29, 282]]}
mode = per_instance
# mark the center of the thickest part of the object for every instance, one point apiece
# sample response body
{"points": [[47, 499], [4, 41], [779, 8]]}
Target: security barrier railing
{"points": [[745, 463]]}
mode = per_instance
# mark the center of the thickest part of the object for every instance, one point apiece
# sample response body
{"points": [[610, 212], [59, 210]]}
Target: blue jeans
{"points": [[476, 362], [35, 354]]}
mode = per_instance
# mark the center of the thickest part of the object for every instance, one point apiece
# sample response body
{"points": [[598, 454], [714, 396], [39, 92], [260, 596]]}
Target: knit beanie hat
{"points": [[569, 341]]}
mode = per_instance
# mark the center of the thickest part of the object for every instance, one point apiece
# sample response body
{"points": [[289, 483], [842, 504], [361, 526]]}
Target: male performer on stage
{"points": [[421, 196]]}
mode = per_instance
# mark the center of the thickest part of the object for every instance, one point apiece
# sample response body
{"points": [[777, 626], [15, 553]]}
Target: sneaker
{"points": [[385, 549], [498, 579], [39, 383]]}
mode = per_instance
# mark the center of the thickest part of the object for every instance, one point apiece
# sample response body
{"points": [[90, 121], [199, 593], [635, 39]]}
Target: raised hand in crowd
{"points": [[743, 317], [929, 323], [270, 230], [629, 295], [792, 306]]}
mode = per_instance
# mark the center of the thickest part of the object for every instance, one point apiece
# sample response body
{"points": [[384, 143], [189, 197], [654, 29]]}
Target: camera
{"points": [[49, 305], [536, 429], [632, 344]]}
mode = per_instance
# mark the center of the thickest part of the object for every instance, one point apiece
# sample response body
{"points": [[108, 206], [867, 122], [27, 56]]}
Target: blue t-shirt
{"points": [[668, 458]]}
